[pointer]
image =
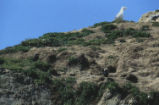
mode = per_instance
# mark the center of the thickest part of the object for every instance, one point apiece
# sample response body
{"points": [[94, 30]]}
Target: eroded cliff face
{"points": [[150, 17], [18, 89], [106, 64]]}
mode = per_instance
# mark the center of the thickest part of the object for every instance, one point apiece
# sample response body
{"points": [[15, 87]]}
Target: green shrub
{"points": [[139, 40], [2, 61], [108, 28], [94, 42], [73, 61], [123, 33], [58, 39], [41, 65], [157, 10], [86, 32], [38, 70], [87, 92], [155, 24], [141, 97], [118, 20], [95, 48], [145, 28], [65, 90], [61, 49], [112, 86], [15, 49], [50, 39], [101, 24]]}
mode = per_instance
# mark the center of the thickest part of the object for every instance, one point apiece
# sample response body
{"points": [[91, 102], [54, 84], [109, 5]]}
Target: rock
{"points": [[106, 72], [22, 91], [109, 69], [132, 78], [152, 16]]}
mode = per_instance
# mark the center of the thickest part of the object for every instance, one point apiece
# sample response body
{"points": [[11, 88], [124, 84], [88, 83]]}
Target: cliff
{"points": [[106, 64]]}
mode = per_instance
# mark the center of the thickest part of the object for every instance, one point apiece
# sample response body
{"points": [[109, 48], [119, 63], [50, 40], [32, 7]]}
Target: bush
{"points": [[86, 32], [87, 92], [157, 10], [123, 33], [95, 48], [108, 28], [15, 49], [39, 71], [94, 42], [155, 24], [61, 49], [73, 61], [145, 28], [118, 20], [2, 61], [58, 39], [101, 24], [41, 65], [52, 58], [65, 91], [141, 97]]}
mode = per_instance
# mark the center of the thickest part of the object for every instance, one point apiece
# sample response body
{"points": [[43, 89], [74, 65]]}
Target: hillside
{"points": [[109, 63]]}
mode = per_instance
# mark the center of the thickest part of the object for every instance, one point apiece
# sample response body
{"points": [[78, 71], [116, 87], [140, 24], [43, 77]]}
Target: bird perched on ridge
{"points": [[119, 16]]}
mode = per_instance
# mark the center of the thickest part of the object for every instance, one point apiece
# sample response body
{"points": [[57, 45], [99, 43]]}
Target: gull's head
{"points": [[124, 8]]}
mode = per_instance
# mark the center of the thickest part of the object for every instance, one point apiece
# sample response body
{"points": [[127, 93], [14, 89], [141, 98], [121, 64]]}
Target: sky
{"points": [[26, 19]]}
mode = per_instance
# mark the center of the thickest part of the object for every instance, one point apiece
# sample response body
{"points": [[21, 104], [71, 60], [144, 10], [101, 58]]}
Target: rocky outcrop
{"points": [[17, 89], [116, 99], [150, 17]]}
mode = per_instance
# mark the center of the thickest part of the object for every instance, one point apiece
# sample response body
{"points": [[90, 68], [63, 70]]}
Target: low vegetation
{"points": [[15, 49], [57, 39], [39, 71], [77, 38], [155, 24], [145, 28], [65, 91], [107, 28], [113, 35], [50, 39], [100, 24], [89, 93]]}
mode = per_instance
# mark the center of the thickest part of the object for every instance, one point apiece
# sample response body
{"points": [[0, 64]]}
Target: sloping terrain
{"points": [[106, 64]]}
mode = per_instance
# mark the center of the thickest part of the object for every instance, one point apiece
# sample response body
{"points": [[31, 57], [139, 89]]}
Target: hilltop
{"points": [[68, 68]]}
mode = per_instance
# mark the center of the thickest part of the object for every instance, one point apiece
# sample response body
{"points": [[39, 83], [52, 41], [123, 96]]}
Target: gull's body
{"points": [[120, 14]]}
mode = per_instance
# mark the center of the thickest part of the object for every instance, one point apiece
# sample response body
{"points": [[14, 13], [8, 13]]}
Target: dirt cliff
{"points": [[106, 64]]}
